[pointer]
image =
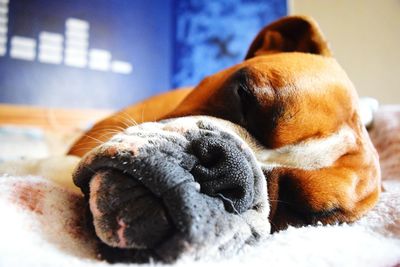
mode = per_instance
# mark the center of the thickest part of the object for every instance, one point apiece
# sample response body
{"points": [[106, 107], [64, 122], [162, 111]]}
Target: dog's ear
{"points": [[290, 34]]}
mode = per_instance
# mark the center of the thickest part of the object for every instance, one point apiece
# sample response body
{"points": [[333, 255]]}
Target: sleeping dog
{"points": [[276, 140]]}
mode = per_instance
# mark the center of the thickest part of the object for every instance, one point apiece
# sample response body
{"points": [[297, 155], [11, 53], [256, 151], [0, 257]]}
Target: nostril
{"points": [[209, 153], [223, 171], [234, 196]]}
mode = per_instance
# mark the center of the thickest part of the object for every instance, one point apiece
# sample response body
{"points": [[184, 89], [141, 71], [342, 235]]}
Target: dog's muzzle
{"points": [[181, 187]]}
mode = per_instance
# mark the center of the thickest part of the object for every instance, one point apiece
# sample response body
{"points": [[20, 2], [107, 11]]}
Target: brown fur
{"points": [[295, 91]]}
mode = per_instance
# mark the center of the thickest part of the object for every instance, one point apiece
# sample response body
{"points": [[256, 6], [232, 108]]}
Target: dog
{"points": [[276, 140]]}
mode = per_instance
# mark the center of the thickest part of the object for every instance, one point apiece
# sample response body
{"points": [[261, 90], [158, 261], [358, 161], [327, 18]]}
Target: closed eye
{"points": [[246, 100], [324, 213]]}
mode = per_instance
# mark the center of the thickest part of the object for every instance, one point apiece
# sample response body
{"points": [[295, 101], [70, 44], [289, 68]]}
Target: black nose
{"points": [[224, 172], [146, 199]]}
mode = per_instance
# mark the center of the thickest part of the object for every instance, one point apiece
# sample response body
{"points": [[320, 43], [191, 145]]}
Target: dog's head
{"points": [[275, 140]]}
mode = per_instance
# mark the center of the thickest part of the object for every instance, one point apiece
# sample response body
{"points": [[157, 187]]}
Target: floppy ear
{"points": [[290, 34]]}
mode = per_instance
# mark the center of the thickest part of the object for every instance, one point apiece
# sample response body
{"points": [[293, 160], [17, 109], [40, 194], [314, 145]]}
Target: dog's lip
{"points": [[176, 127], [176, 242]]}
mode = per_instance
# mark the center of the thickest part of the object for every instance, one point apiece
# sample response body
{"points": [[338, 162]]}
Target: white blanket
{"points": [[40, 225]]}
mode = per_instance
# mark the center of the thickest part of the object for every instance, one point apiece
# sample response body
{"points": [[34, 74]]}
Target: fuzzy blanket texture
{"points": [[39, 224]]}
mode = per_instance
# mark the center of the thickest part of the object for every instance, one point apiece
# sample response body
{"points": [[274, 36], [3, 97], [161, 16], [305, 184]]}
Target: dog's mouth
{"points": [[181, 187]]}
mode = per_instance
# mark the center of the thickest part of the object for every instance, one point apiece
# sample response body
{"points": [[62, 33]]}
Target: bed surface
{"points": [[39, 204]]}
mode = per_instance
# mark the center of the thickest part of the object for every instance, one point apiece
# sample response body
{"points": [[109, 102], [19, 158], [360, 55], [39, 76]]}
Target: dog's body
{"points": [[297, 114]]}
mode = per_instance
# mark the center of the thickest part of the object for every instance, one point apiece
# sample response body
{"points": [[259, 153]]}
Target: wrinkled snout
{"points": [[183, 187]]}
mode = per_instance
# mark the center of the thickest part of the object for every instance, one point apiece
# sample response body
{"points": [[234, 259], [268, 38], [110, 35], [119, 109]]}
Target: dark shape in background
{"points": [[212, 35], [169, 43]]}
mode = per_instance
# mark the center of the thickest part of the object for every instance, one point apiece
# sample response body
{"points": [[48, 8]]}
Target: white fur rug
{"points": [[39, 225]]}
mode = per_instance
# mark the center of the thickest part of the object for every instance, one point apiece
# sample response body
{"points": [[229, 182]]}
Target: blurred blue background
{"points": [[109, 54]]}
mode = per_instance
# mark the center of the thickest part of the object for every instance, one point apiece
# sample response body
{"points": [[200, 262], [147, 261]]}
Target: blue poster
{"points": [[112, 53], [212, 35], [94, 53]]}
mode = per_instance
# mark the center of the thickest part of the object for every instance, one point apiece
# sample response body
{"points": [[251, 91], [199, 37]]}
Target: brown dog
{"points": [[297, 111]]}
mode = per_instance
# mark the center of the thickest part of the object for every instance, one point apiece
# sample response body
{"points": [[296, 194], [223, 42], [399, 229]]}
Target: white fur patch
{"points": [[310, 154]]}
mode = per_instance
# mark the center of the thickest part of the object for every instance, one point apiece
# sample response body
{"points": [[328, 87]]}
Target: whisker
{"points": [[107, 135], [94, 138], [112, 127], [142, 114], [87, 143], [113, 131], [123, 120], [129, 119], [83, 148]]}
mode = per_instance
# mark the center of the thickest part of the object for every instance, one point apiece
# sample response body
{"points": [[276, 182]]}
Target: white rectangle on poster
{"points": [[121, 67], [74, 23], [50, 37]]}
